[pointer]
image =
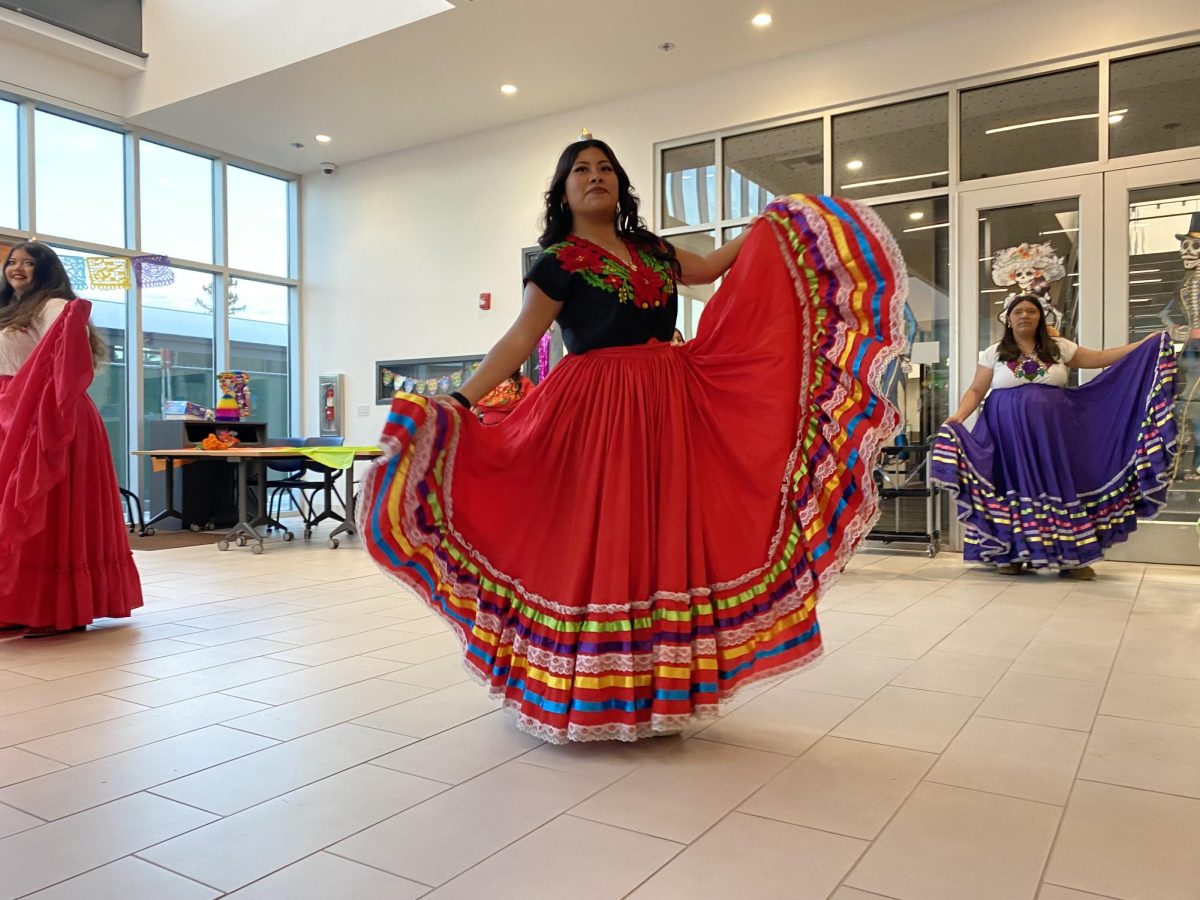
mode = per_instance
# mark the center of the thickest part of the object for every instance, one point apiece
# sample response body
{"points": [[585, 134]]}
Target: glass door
{"points": [[1152, 282], [1044, 238]]}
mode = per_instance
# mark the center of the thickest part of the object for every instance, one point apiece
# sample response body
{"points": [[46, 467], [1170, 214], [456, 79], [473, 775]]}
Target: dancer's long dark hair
{"points": [[556, 220], [1043, 345], [48, 282]]}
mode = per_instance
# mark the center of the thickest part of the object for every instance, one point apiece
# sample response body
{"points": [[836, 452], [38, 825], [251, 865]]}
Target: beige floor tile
{"points": [[431, 713], [269, 628], [137, 729], [340, 648], [781, 721], [1016, 759], [662, 796], [313, 680], [969, 674], [17, 765], [849, 893], [1148, 755], [38, 723], [1167, 600], [196, 659], [90, 784], [56, 851], [901, 717], [896, 642], [846, 787], [1081, 606], [62, 690], [206, 681], [847, 674], [841, 626], [10, 679], [878, 602], [13, 821], [1153, 698], [443, 672], [96, 660], [240, 616], [927, 616], [318, 632], [275, 770], [424, 624], [947, 843], [759, 846], [1083, 662], [990, 636], [126, 879], [604, 761], [572, 868], [1088, 632], [1053, 892], [1120, 842], [291, 720], [324, 876], [463, 752], [1039, 700], [433, 842], [240, 849], [1174, 656], [422, 649]]}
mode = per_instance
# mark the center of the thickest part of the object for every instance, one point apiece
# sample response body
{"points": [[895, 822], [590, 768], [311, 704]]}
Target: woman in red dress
{"points": [[64, 555], [652, 528]]}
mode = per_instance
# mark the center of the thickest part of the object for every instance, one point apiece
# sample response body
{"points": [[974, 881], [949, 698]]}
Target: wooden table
{"points": [[246, 531]]}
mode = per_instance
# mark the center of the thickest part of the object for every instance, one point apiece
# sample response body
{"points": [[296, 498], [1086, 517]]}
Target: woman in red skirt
{"points": [[652, 528], [64, 556]]}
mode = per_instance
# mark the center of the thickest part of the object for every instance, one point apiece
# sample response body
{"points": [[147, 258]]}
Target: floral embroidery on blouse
{"points": [[647, 282], [1028, 368]]}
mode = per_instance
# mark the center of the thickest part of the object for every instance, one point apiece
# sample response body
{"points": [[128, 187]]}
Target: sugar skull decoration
{"points": [[1030, 269], [1189, 293]]}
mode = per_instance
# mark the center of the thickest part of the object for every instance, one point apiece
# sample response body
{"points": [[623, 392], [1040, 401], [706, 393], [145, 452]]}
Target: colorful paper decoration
{"points": [[76, 267], [153, 271], [108, 273]]}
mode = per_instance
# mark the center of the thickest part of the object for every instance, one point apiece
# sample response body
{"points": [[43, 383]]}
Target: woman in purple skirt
{"points": [[1051, 476]]}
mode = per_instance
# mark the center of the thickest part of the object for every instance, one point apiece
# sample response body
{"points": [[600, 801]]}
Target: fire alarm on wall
{"points": [[485, 301]]}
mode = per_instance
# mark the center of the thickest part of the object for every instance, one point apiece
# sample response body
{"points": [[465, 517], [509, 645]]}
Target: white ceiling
{"points": [[440, 77]]}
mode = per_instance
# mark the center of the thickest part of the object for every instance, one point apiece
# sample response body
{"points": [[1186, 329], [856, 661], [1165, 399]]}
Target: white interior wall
{"points": [[396, 249]]}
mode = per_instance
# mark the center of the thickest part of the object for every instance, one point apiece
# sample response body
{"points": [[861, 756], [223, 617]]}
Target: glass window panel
{"points": [[80, 180], [692, 297], [177, 202], [178, 341], [9, 203], [892, 149], [918, 385], [1055, 222], [108, 390], [258, 346], [765, 164], [1154, 102], [1164, 291], [258, 222], [689, 193], [1029, 124]]}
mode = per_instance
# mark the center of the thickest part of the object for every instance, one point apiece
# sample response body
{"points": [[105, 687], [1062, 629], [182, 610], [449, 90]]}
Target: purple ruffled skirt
{"points": [[1054, 476]]}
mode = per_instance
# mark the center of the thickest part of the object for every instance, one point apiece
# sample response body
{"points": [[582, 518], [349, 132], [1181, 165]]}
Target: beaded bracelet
{"points": [[461, 399]]}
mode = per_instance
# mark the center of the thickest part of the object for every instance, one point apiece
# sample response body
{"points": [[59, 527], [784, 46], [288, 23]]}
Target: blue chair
{"points": [[308, 489], [276, 488]]}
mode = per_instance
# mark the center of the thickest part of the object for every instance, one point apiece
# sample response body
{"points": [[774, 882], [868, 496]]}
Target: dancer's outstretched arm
{"points": [[973, 396], [1086, 358]]}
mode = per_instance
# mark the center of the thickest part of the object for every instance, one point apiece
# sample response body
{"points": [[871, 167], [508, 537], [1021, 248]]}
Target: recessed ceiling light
{"points": [[854, 165], [1115, 118], [762, 20], [323, 138], [916, 215], [508, 89]]}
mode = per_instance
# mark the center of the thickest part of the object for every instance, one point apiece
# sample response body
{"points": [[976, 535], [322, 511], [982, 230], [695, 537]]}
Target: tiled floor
{"points": [[292, 725]]}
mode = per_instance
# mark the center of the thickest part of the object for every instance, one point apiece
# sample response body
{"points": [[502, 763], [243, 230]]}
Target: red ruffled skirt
{"points": [[64, 554], [653, 527]]}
